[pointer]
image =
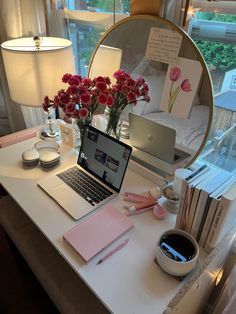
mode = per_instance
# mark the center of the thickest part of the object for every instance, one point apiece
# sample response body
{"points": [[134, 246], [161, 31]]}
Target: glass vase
{"points": [[114, 119], [79, 128]]}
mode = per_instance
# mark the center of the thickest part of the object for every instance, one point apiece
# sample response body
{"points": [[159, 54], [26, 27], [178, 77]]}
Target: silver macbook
{"points": [[95, 179], [154, 138]]}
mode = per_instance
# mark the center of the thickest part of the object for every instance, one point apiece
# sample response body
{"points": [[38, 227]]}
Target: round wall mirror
{"points": [[170, 131]]}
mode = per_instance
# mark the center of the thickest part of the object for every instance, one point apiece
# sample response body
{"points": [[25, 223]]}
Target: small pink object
{"points": [[159, 212], [133, 197]]}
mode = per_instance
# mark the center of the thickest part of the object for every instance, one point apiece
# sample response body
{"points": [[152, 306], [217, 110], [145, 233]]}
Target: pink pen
{"points": [[119, 247], [140, 211]]}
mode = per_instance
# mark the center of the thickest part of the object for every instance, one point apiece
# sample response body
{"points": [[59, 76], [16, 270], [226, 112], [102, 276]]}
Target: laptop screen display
{"points": [[104, 157]]}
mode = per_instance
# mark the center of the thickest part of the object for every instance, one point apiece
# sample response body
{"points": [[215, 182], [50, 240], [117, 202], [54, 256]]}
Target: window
{"points": [[88, 21], [214, 31]]}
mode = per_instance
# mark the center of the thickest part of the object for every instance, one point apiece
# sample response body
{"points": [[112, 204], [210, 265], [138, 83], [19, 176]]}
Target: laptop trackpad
{"points": [[75, 205]]}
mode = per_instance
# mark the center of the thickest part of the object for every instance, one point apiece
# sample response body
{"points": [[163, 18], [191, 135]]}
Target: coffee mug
{"points": [[177, 252]]}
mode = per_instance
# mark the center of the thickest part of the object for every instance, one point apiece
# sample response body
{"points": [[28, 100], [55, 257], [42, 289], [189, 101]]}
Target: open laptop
{"points": [[154, 138], [95, 179]]}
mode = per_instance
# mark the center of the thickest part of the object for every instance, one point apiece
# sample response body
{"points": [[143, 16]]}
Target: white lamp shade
{"points": [[105, 62], [32, 73]]}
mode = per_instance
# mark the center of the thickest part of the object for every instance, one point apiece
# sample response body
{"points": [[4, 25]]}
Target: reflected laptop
{"points": [[95, 179], [154, 138]]}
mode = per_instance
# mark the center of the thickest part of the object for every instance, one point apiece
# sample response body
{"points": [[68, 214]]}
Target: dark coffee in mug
{"points": [[177, 247]]}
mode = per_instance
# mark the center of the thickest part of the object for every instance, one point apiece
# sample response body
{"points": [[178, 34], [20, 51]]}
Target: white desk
{"points": [[129, 281]]}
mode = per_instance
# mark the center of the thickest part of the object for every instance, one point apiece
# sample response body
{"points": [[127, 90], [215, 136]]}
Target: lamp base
{"points": [[47, 136]]}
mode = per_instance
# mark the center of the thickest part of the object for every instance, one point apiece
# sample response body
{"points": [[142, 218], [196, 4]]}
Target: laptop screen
{"points": [[104, 157]]}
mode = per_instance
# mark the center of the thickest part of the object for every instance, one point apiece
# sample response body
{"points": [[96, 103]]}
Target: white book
{"points": [[195, 196], [208, 222], [207, 187], [215, 196], [224, 219], [196, 176]]}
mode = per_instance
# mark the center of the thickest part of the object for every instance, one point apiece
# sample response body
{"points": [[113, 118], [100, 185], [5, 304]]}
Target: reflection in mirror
{"points": [[179, 85]]}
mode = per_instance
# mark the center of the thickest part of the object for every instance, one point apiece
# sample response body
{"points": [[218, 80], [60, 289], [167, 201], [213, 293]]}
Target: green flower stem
{"points": [[172, 98], [112, 124]]}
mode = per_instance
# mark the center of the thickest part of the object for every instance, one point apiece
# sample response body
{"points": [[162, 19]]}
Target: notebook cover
{"points": [[98, 231]]}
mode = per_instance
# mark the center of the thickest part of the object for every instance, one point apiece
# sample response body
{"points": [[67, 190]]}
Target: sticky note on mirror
{"points": [[163, 45]]}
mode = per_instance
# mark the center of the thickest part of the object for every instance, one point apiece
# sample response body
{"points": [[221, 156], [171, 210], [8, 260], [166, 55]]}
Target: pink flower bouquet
{"points": [[83, 95]]}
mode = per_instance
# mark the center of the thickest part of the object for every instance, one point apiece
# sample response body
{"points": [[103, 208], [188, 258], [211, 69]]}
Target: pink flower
{"points": [[140, 81], [63, 97], [66, 77], [72, 89], [85, 99], [131, 83], [185, 86], [56, 101], [83, 113], [147, 98], [117, 87], [81, 98], [70, 108], [131, 97], [174, 74], [137, 92], [102, 99], [100, 79], [145, 88], [75, 80], [121, 75], [87, 81], [110, 101], [108, 81], [126, 89], [101, 86]]}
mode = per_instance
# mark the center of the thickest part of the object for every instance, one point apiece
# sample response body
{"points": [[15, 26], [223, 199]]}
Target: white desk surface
{"points": [[129, 281]]}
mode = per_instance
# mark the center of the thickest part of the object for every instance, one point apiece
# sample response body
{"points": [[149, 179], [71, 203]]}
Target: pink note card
{"points": [[97, 232]]}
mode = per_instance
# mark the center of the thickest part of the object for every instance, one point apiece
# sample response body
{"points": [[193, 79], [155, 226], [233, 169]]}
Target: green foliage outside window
{"points": [[218, 55], [211, 16], [121, 6]]}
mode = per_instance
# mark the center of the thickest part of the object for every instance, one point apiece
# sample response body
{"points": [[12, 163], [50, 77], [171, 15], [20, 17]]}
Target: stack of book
{"points": [[207, 205]]}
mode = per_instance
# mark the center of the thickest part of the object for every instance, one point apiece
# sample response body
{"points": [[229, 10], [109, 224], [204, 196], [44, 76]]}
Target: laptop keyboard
{"points": [[88, 188]]}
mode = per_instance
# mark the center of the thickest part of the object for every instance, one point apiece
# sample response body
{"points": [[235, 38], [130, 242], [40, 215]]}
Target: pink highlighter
{"points": [[149, 202]]}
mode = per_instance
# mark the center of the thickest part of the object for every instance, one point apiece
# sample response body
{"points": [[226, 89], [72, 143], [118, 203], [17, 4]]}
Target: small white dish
{"points": [[170, 205]]}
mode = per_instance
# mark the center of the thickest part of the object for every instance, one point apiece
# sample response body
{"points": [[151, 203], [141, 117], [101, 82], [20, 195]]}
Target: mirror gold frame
{"points": [[117, 36]]}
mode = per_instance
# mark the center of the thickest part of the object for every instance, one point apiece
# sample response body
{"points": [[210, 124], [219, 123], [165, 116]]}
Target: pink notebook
{"points": [[97, 232]]}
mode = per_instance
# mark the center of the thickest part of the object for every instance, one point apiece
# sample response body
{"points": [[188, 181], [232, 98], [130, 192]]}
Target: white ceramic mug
{"points": [[169, 262]]}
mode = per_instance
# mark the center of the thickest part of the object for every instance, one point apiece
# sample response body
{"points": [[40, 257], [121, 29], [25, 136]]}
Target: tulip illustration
{"points": [[174, 75], [185, 86]]}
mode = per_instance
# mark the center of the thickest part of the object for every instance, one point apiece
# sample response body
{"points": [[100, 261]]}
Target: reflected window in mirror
{"points": [[215, 35], [88, 21]]}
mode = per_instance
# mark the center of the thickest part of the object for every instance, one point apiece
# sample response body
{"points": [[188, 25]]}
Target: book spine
{"points": [[206, 209], [208, 222], [217, 224], [192, 209], [200, 208], [181, 205]]}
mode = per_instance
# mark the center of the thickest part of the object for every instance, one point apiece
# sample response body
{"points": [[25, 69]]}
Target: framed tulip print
{"points": [[181, 84]]}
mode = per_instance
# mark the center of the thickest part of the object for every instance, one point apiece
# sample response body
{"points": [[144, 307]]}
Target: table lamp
{"points": [[34, 67], [105, 62]]}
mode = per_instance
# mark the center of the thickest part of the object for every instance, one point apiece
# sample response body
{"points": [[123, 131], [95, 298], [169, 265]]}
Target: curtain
{"points": [[24, 18]]}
